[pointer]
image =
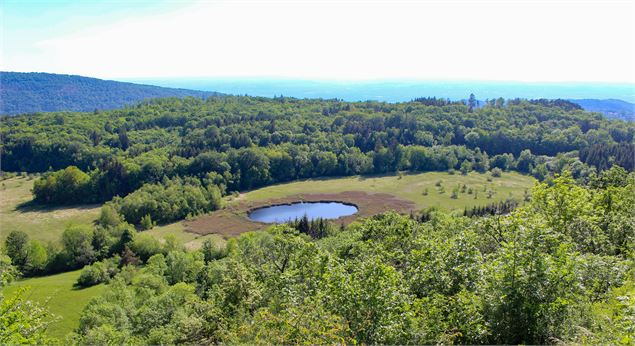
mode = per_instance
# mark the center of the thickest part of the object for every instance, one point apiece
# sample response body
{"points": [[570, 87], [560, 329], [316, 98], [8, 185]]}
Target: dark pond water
{"points": [[313, 210]]}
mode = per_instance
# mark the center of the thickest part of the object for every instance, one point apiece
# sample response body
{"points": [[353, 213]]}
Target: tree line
{"points": [[185, 128]]}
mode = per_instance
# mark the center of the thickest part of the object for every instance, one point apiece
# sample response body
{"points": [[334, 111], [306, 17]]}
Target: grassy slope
{"points": [[48, 223], [57, 293], [42, 223], [410, 187]]}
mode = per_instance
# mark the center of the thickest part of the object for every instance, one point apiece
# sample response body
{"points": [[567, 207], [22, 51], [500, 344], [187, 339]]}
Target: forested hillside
{"points": [[557, 267], [46, 92], [237, 143], [613, 109]]}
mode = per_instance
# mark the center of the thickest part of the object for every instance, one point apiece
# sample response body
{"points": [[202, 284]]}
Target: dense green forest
{"points": [[241, 143], [48, 92], [557, 270]]}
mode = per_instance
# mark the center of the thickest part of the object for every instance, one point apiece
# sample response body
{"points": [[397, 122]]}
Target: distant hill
{"points": [[611, 108], [47, 92]]}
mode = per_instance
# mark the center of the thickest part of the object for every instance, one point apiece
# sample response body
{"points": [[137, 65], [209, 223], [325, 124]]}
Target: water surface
{"points": [[313, 210]]}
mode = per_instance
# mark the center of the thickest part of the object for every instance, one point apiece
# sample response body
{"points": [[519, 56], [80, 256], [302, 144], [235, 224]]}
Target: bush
{"points": [[91, 275], [147, 223], [16, 246], [78, 245], [145, 246], [455, 193], [496, 172], [466, 167], [66, 186], [98, 272], [37, 258], [109, 217], [211, 251]]}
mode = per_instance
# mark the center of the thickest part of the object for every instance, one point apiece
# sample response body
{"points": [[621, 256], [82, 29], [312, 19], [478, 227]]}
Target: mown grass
{"points": [[57, 294], [411, 187], [39, 222]]}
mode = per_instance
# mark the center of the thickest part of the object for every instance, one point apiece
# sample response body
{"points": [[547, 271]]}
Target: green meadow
{"points": [[431, 189], [62, 299], [39, 222]]}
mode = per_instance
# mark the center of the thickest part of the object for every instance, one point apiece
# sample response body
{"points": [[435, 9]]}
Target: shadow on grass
{"points": [[77, 287], [390, 174], [32, 206]]}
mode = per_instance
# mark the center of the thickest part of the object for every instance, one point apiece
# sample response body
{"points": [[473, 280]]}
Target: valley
{"points": [[405, 193], [317, 172]]}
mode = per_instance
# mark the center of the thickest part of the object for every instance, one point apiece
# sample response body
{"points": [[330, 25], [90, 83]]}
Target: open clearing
{"points": [[191, 241], [39, 222], [47, 223], [371, 194], [57, 293]]}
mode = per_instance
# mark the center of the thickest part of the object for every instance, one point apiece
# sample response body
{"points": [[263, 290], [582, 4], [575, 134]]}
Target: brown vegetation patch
{"points": [[233, 220]]}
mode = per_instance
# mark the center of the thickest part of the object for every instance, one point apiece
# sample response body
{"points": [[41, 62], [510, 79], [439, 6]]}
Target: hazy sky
{"points": [[459, 40]]}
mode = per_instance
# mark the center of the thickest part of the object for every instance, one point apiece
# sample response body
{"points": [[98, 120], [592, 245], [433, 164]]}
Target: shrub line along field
{"points": [[371, 194], [48, 223]]}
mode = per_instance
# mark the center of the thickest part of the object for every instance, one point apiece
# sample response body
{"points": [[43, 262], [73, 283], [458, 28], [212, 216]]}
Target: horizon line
{"points": [[338, 80]]}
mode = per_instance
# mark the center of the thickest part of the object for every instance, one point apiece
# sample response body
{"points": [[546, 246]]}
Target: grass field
{"points": [[410, 187], [42, 223], [57, 293], [371, 194], [191, 241], [48, 223]]}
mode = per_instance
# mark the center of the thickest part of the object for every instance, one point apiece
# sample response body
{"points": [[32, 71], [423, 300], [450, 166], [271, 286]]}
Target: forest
{"points": [[238, 143], [556, 267], [49, 92]]}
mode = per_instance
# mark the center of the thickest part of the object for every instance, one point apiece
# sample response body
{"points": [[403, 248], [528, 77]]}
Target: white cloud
{"points": [[491, 40]]}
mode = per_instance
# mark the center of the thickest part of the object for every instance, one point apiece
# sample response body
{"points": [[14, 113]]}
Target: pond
{"points": [[313, 210]]}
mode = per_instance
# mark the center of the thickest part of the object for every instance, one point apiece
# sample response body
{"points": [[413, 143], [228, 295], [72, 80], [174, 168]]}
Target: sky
{"points": [[531, 41]]}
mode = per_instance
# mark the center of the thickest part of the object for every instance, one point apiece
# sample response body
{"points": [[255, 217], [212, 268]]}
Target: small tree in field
{"points": [[455, 193]]}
